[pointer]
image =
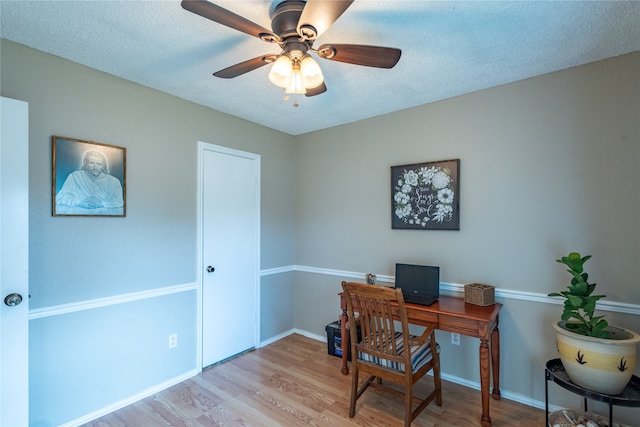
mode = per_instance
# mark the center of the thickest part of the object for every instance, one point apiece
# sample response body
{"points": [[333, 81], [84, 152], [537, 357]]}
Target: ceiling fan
{"points": [[295, 25]]}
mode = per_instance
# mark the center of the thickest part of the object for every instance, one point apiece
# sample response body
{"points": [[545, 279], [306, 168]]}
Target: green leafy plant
{"points": [[580, 304]]}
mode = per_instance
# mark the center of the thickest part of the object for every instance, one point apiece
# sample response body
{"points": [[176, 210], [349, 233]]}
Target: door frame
{"points": [[202, 147]]}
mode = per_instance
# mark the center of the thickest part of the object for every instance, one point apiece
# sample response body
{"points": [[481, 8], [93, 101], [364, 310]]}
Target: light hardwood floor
{"points": [[294, 382]]}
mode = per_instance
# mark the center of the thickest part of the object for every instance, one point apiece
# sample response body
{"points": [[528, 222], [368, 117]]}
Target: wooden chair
{"points": [[381, 352]]}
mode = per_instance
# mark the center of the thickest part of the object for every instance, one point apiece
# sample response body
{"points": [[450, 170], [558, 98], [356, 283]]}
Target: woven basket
{"points": [[479, 294], [571, 418]]}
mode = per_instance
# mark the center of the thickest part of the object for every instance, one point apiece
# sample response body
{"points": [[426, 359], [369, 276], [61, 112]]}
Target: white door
{"points": [[14, 266], [230, 232]]}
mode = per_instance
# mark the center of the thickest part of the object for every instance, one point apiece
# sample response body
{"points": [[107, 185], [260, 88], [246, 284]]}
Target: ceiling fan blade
{"points": [[228, 18], [322, 88], [370, 56], [245, 67], [318, 15]]}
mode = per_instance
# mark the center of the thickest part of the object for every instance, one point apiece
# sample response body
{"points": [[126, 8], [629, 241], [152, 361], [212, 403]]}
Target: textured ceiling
{"points": [[448, 48]]}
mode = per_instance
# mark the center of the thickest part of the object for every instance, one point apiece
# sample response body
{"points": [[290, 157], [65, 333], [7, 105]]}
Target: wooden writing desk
{"points": [[452, 314]]}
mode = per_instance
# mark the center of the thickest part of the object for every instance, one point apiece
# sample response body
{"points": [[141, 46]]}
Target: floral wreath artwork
{"points": [[426, 196]]}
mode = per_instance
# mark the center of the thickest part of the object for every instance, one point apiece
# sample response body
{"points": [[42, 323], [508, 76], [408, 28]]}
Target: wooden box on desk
{"points": [[479, 294]]}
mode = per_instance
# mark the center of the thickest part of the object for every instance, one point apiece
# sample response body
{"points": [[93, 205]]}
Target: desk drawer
{"points": [[466, 327], [417, 316]]}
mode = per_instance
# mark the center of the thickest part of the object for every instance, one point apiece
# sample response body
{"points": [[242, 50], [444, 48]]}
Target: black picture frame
{"points": [[426, 196], [88, 178]]}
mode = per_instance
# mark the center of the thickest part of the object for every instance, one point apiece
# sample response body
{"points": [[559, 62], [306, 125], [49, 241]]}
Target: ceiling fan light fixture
{"points": [[296, 85], [281, 71], [311, 73], [296, 74]]}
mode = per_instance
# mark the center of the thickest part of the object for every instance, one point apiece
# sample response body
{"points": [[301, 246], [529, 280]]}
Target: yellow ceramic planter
{"points": [[598, 364]]}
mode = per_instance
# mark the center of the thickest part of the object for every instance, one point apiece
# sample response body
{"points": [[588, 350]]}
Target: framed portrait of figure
{"points": [[88, 178]]}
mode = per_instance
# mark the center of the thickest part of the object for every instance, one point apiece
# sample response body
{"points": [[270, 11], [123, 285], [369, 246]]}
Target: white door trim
{"points": [[204, 146]]}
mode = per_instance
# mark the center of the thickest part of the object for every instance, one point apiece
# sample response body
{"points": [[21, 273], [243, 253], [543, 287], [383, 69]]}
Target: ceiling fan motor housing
{"points": [[284, 21]]}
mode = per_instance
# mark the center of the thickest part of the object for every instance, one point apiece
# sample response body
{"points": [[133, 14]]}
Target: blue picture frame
{"points": [[88, 178]]}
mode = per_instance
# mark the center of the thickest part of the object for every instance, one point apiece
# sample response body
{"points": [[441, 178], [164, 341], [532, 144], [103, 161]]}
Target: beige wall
{"points": [[548, 165], [155, 245]]}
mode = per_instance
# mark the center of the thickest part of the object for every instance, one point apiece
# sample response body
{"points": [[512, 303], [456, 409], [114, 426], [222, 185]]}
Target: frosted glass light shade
{"points": [[311, 73], [281, 71], [296, 85]]}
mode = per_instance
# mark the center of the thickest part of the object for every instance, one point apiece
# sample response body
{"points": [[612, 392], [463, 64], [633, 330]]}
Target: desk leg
{"points": [[344, 333], [495, 362], [485, 369]]}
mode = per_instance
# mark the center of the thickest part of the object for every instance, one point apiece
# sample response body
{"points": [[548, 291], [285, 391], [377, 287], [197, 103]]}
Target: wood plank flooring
{"points": [[294, 382]]}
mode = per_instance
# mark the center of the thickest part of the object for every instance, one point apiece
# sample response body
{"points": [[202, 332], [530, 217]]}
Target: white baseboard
{"points": [[515, 397], [308, 334], [135, 398], [293, 331], [277, 337]]}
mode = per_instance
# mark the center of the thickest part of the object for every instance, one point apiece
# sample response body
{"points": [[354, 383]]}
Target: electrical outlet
{"points": [[455, 339], [173, 340], [371, 278]]}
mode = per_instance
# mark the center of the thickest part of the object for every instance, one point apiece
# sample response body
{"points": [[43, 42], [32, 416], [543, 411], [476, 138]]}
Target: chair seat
{"points": [[420, 354]]}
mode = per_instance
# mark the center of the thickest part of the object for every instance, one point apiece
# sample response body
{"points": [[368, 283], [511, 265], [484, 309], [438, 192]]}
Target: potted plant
{"points": [[597, 356]]}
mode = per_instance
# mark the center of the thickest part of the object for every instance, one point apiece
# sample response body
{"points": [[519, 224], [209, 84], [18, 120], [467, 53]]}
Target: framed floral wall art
{"points": [[426, 196], [88, 178]]}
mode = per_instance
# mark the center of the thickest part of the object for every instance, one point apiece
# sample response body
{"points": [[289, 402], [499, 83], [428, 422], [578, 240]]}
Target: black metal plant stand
{"points": [[555, 372]]}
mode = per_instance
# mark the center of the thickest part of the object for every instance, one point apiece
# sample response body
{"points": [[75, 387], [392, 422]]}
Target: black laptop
{"points": [[420, 284]]}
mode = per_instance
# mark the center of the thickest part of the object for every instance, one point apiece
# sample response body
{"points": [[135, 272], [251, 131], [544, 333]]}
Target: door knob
{"points": [[13, 299], [210, 269]]}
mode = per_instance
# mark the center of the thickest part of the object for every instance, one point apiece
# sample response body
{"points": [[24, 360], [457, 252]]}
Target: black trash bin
{"points": [[334, 340]]}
